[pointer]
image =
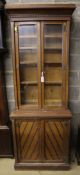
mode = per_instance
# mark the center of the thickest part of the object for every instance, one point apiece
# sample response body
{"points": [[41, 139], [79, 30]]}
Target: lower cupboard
{"points": [[41, 143]]}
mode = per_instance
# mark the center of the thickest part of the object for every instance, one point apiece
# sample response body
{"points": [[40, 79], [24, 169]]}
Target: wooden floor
{"points": [[7, 168]]}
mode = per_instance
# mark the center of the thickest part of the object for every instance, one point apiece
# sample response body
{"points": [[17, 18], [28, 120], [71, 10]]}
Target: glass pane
{"points": [[53, 64], [27, 30], [29, 94], [53, 95], [53, 74], [28, 54]]}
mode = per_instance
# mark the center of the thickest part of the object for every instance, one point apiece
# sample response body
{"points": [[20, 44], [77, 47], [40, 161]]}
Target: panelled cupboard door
{"points": [[41, 64], [56, 143], [44, 140], [28, 140]]}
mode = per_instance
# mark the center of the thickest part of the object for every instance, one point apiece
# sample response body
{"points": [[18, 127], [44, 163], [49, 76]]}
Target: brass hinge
{"points": [[15, 29]]}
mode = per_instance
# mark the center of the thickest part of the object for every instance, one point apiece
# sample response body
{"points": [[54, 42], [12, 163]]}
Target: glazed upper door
{"points": [[54, 64], [41, 64], [27, 64]]}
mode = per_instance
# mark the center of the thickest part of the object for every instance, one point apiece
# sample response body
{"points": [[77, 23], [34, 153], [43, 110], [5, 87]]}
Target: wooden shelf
{"points": [[57, 47], [53, 83], [53, 51], [54, 35], [46, 82], [27, 36], [54, 63], [27, 48], [29, 82], [28, 62], [33, 102]]}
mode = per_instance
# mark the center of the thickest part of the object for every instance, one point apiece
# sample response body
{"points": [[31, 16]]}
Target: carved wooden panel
{"points": [[56, 140], [27, 134], [42, 140]]}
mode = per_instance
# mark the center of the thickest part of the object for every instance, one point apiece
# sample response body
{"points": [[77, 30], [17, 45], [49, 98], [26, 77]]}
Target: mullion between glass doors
{"points": [[39, 65], [42, 64]]}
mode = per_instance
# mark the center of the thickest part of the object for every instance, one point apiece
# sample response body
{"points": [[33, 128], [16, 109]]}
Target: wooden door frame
{"points": [[65, 39], [17, 75]]}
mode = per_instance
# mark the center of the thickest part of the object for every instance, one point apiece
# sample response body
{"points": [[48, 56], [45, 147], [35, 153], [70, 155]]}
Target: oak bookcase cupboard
{"points": [[5, 131], [40, 49]]}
